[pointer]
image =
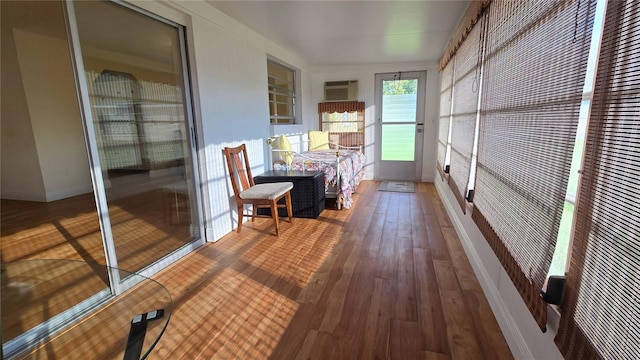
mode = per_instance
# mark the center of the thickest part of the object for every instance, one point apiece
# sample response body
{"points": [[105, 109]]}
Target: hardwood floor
{"points": [[386, 279]]}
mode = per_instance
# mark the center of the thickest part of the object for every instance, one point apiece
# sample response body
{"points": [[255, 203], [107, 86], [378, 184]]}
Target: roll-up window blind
{"points": [[466, 24], [446, 82], [464, 110], [534, 73], [601, 313]]}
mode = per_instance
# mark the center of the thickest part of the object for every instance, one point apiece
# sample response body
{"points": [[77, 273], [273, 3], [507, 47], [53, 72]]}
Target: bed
{"points": [[343, 167]]}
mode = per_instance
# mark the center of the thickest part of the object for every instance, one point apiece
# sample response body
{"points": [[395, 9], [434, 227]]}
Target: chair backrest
{"points": [[239, 169]]}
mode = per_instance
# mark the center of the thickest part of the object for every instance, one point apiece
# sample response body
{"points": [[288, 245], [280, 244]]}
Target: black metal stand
{"points": [[137, 333]]}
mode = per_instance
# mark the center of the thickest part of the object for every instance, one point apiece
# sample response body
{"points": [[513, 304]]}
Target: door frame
{"points": [[387, 169]]}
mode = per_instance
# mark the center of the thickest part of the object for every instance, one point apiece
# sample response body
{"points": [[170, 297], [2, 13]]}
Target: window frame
{"points": [[571, 197], [292, 95]]}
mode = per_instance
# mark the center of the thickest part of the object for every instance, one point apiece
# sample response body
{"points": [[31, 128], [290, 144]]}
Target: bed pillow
{"points": [[285, 144], [281, 143], [275, 145], [318, 140]]}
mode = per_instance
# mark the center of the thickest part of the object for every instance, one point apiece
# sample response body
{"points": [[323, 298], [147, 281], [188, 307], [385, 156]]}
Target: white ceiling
{"points": [[325, 33]]}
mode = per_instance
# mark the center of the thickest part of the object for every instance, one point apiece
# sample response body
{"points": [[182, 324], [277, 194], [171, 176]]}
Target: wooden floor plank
{"points": [[463, 269], [373, 317], [430, 312], [460, 330], [404, 340], [485, 326]]}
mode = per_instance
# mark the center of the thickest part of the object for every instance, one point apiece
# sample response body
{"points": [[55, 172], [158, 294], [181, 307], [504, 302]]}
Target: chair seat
{"points": [[266, 191]]}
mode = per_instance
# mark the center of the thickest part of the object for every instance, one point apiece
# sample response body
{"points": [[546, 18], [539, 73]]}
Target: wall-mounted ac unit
{"points": [[341, 90]]}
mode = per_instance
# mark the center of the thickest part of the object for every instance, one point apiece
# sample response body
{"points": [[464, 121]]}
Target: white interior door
{"points": [[400, 101]]}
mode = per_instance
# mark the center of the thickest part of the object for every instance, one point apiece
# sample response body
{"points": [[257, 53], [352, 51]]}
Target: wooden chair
{"points": [[260, 195]]}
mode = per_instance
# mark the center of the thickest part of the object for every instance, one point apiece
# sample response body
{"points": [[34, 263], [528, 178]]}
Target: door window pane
{"points": [[399, 106], [134, 74], [398, 142], [399, 100]]}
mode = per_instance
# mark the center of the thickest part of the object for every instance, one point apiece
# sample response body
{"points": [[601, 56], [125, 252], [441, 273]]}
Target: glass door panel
{"points": [[133, 66], [48, 208], [399, 119], [398, 142]]}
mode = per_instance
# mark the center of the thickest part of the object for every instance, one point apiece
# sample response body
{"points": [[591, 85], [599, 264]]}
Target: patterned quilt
{"points": [[351, 166]]}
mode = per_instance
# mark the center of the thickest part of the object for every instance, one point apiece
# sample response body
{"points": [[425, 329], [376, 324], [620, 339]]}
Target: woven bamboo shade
{"points": [[601, 314], [534, 74]]}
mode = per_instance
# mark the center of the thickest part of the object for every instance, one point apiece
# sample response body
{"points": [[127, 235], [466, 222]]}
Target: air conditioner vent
{"points": [[346, 90]]}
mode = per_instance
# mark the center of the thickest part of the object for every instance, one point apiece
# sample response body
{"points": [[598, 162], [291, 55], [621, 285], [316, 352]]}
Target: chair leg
{"points": [[240, 217], [289, 210], [254, 208], [274, 215]]}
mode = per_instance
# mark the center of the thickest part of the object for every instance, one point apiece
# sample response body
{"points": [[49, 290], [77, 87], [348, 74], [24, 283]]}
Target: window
{"points": [[344, 120], [444, 138], [601, 313], [559, 262], [533, 84], [464, 110], [282, 93], [521, 84], [542, 112]]}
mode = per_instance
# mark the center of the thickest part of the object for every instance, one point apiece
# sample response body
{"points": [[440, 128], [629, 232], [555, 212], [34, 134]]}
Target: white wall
{"points": [[229, 73], [366, 92], [522, 333]]}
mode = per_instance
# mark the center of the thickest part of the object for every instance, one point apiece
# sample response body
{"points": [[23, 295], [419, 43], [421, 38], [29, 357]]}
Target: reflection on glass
{"points": [[399, 106], [48, 208], [134, 76], [49, 290], [399, 100]]}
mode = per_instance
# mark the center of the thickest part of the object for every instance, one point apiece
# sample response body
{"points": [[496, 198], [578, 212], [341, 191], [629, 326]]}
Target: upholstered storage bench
{"points": [[307, 195]]}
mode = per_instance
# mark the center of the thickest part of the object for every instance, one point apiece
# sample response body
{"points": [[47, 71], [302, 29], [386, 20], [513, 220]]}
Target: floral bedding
{"points": [[351, 166]]}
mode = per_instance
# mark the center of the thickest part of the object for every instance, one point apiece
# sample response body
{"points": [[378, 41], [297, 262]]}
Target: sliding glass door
{"points": [[133, 80], [98, 161]]}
